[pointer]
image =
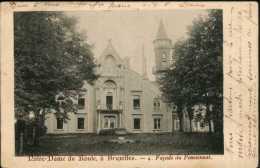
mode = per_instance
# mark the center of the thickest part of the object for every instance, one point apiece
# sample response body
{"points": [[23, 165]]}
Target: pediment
{"points": [[110, 55]]}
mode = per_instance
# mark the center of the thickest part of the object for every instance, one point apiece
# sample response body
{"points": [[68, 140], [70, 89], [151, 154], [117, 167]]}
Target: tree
{"points": [[207, 74], [50, 57], [168, 81], [197, 76]]}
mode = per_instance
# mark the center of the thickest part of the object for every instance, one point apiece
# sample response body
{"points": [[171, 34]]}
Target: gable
{"points": [[110, 55]]}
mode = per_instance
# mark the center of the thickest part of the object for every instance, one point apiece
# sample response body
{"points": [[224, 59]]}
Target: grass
{"points": [[145, 144]]}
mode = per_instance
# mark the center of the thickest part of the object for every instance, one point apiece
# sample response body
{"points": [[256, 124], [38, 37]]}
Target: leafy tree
{"points": [[207, 74], [197, 76], [178, 98], [50, 57]]}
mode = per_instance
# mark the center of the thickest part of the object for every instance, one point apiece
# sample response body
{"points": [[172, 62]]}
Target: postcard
{"points": [[129, 84]]}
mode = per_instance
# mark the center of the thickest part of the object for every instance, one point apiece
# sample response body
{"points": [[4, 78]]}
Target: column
{"points": [[119, 124], [98, 121]]}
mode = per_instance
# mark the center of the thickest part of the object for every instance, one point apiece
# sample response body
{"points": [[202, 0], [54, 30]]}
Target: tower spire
{"points": [[144, 64], [162, 48], [161, 34]]}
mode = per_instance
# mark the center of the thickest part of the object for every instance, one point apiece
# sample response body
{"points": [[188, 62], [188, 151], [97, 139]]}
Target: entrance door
{"points": [[109, 122]]}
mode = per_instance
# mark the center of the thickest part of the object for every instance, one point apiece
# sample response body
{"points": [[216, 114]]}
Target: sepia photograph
{"points": [[129, 84], [118, 82]]}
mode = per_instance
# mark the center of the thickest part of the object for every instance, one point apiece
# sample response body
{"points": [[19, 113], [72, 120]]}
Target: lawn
{"points": [[145, 144]]}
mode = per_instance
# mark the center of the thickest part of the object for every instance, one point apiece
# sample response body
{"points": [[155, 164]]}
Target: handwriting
{"points": [[241, 106], [249, 45]]}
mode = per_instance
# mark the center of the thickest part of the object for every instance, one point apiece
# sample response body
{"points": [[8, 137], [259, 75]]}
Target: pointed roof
{"points": [[110, 50], [161, 34]]}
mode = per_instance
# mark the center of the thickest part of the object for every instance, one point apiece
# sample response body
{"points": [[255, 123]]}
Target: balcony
{"points": [[109, 108]]}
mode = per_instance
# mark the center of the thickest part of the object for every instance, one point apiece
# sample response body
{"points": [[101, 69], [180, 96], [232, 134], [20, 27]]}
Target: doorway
{"points": [[109, 122]]}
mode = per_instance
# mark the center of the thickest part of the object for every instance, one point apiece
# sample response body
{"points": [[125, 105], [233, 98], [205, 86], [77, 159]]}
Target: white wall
{"points": [[128, 83]]}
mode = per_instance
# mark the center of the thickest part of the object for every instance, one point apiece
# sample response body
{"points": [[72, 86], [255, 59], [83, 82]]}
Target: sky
{"points": [[129, 31]]}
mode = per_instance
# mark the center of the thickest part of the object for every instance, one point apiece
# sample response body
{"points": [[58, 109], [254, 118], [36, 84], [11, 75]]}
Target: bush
{"points": [[115, 131], [120, 131], [107, 132]]}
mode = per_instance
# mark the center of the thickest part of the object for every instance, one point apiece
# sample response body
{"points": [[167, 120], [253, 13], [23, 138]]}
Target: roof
{"points": [[110, 50]]}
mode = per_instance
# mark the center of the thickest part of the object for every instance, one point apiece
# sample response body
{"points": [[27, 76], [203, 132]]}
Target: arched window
{"points": [[110, 84]]}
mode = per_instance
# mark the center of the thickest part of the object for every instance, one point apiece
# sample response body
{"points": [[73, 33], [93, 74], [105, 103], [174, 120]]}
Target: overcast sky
{"points": [[130, 30]]}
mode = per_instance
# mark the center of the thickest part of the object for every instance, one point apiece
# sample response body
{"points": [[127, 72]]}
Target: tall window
{"points": [[156, 105], [80, 123], [137, 123], [81, 102], [109, 88], [157, 123], [59, 123], [109, 102], [136, 102]]}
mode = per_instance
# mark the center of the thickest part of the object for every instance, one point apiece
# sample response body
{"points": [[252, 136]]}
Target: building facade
{"points": [[122, 98]]}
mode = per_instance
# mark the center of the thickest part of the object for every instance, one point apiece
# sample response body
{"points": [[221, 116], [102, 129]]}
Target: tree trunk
{"points": [[173, 124], [34, 135], [21, 143], [218, 125], [37, 127], [37, 130], [210, 127], [218, 120], [209, 118], [190, 114], [190, 124], [181, 125], [180, 115]]}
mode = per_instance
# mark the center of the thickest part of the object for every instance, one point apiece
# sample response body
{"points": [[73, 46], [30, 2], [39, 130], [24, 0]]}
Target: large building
{"points": [[122, 98]]}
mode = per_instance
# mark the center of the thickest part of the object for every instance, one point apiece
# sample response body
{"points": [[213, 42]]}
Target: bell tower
{"points": [[163, 51]]}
